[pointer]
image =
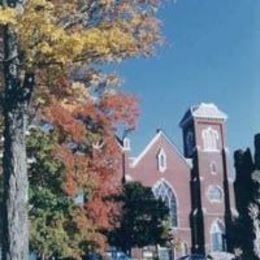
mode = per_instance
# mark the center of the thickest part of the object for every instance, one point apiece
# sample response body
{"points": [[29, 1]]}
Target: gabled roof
{"points": [[203, 110], [158, 135]]}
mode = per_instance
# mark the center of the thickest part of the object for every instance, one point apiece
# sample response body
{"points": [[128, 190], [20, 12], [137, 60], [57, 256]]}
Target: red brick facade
{"points": [[201, 189]]}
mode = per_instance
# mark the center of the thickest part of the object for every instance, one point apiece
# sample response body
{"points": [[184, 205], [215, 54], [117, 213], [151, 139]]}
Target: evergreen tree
{"points": [[247, 190]]}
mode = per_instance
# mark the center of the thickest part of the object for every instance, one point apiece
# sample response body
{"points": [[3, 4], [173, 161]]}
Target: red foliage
{"points": [[92, 124]]}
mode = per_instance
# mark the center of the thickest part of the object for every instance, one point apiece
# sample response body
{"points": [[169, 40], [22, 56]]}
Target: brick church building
{"points": [[196, 184]]}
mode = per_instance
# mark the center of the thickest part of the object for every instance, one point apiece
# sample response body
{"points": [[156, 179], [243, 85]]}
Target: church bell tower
{"points": [[212, 193]]}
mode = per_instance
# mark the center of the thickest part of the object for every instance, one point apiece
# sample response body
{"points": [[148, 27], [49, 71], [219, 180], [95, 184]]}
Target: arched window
{"points": [[126, 144], [162, 160], [217, 233], [164, 192], [210, 139], [215, 194], [184, 249]]}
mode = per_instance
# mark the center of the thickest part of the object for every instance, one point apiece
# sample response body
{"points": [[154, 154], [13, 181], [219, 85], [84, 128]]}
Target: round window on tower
{"points": [[215, 194]]}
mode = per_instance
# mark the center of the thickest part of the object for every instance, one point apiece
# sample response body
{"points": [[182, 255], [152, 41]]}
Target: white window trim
{"points": [[216, 224], [215, 200], [205, 147], [159, 135], [162, 168], [176, 198], [126, 144]]}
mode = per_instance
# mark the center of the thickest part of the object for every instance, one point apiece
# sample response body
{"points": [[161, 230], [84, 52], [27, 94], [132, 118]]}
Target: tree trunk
{"points": [[15, 220], [15, 213]]}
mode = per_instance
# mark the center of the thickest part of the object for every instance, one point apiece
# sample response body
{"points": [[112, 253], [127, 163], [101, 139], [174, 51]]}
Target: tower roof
{"points": [[205, 111]]}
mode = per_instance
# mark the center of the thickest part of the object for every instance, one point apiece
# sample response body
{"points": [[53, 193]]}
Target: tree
{"points": [[44, 43], [59, 227], [247, 187], [54, 227], [254, 213], [143, 219], [243, 184], [86, 144]]}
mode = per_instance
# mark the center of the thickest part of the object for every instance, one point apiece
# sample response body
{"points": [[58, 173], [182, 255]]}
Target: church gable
{"points": [[162, 153], [163, 168], [160, 159]]}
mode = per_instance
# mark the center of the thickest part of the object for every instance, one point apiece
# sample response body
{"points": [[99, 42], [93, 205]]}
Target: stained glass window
{"points": [[164, 192]]}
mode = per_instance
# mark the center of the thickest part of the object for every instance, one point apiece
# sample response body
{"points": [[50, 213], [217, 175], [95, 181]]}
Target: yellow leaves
{"points": [[45, 48], [50, 43], [40, 100], [7, 16], [77, 95], [120, 40], [106, 42], [55, 32]]}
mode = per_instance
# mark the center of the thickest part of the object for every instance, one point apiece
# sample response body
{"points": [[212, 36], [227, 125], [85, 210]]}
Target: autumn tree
{"points": [[144, 219], [59, 225], [61, 168], [85, 142], [45, 42]]}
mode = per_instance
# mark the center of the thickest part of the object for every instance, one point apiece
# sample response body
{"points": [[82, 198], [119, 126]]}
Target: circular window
{"points": [[215, 194]]}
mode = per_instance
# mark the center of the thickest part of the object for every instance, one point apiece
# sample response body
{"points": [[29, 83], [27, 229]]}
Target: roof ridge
{"points": [[151, 143]]}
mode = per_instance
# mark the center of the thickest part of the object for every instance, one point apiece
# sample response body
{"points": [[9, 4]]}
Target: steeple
{"points": [[204, 142]]}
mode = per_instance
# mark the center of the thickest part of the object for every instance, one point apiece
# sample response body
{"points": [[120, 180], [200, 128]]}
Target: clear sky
{"points": [[213, 55]]}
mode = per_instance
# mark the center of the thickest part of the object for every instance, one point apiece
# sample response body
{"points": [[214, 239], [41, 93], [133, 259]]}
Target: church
{"points": [[196, 185]]}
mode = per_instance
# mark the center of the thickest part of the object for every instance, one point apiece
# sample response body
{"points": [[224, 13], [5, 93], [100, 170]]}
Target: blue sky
{"points": [[212, 55]]}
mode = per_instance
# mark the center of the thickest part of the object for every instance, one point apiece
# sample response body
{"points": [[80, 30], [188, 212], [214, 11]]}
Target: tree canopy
{"points": [[52, 57], [248, 200], [60, 168], [58, 226], [143, 221]]}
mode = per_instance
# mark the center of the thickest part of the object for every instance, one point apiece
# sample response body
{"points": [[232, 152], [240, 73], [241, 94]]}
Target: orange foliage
{"points": [[88, 148]]}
